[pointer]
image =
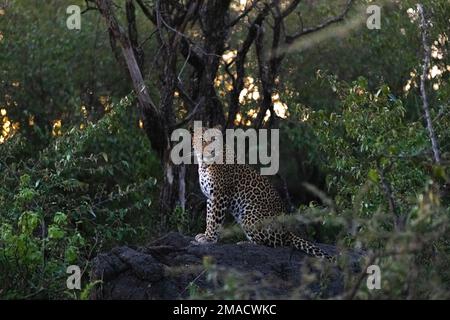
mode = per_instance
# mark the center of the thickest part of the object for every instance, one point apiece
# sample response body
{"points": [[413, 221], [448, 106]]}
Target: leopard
{"points": [[251, 199]]}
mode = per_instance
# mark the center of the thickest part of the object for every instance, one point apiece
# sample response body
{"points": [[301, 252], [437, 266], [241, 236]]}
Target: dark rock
{"points": [[173, 268]]}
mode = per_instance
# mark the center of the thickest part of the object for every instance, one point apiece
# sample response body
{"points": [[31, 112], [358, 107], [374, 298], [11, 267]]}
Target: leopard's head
{"points": [[201, 139]]}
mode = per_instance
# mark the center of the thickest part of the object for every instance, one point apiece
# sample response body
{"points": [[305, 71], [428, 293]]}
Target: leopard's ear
{"points": [[219, 127]]}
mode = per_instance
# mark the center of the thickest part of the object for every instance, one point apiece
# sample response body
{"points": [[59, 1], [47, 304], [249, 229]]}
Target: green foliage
{"points": [[179, 220], [369, 139], [384, 56], [79, 195], [87, 290], [388, 199], [49, 72]]}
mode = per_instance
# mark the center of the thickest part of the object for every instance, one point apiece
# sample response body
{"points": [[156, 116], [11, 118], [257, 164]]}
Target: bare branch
{"points": [[148, 38], [398, 221], [88, 7], [269, 62], [190, 116], [243, 14], [133, 33], [324, 24], [238, 81], [423, 77], [119, 34], [151, 16], [265, 76], [351, 294], [185, 96], [180, 35], [152, 118]]}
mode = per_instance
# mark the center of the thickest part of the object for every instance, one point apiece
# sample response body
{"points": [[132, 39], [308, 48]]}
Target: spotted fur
{"points": [[251, 199]]}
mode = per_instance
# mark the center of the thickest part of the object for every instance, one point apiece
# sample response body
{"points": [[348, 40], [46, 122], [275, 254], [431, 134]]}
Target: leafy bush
{"points": [[388, 199], [49, 72], [370, 139], [76, 197]]}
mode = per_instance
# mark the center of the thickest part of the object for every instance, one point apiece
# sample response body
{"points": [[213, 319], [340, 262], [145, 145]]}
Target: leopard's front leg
{"points": [[216, 208]]}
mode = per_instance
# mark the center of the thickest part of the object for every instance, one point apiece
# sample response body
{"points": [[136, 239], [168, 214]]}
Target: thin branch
{"points": [[190, 116], [153, 123], [413, 249], [184, 64], [324, 24], [243, 14], [238, 81], [148, 38], [361, 277], [265, 76], [398, 221], [185, 96], [151, 16], [269, 66], [133, 33], [195, 59], [423, 92], [89, 7], [181, 35], [287, 195], [119, 34]]}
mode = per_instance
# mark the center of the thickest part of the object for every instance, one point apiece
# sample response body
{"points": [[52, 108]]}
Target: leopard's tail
{"points": [[310, 248]]}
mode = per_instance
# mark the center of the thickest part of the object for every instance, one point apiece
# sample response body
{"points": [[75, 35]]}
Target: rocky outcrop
{"points": [[174, 268]]}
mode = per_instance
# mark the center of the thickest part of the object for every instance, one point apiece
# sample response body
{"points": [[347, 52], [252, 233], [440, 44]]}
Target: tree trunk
{"points": [[169, 194]]}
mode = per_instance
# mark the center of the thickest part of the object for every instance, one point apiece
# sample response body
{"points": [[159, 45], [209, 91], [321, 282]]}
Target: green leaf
{"points": [[25, 180], [55, 232], [87, 290], [28, 221], [60, 218], [373, 175], [71, 254], [439, 172]]}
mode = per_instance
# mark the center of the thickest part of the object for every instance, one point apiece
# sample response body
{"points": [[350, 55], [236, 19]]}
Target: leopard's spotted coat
{"points": [[250, 198]]}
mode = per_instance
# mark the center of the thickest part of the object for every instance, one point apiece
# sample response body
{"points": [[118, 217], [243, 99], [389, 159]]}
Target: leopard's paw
{"points": [[244, 242], [201, 239]]}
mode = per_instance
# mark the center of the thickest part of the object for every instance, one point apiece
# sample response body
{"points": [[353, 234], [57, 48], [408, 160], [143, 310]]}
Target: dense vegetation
{"points": [[78, 174]]}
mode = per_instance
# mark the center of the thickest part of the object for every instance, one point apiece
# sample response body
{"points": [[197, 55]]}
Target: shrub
{"points": [[79, 195]]}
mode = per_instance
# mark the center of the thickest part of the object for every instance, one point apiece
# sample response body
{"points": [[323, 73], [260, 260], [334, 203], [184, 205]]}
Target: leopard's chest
{"points": [[206, 182]]}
